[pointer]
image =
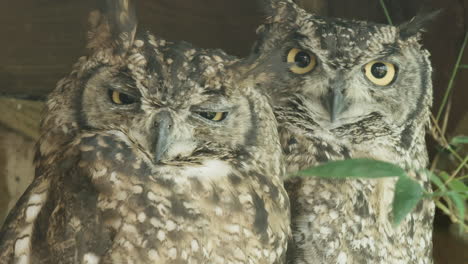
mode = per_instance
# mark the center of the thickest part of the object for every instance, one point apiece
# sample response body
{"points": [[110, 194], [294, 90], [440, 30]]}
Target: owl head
{"points": [[171, 101], [344, 73]]}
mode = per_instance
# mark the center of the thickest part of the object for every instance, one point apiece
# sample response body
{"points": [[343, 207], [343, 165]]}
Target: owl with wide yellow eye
{"points": [[346, 89]]}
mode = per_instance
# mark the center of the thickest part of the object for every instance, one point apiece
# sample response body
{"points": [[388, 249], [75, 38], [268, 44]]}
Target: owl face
{"points": [[170, 100], [346, 70]]}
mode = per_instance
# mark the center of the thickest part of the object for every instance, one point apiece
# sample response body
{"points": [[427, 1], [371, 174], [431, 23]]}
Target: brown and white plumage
{"points": [[330, 106], [152, 152]]}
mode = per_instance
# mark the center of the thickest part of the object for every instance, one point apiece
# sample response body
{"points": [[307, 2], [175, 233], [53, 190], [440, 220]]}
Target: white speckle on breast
{"points": [[194, 245], [23, 260], [180, 148], [137, 189], [233, 229], [218, 211], [100, 173], [153, 255], [325, 230], [139, 43], [172, 253], [184, 255], [170, 225], [122, 195], [156, 222], [90, 258], [151, 196], [273, 257], [130, 229], [161, 235], [333, 214], [239, 254], [342, 258], [209, 169], [113, 177], [141, 217], [245, 198]]}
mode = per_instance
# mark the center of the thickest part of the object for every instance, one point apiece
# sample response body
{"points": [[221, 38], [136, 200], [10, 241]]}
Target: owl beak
{"points": [[163, 126], [335, 103]]}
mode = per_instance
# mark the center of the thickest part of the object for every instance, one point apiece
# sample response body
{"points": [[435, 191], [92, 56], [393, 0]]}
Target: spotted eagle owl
{"points": [[349, 89], [152, 152]]}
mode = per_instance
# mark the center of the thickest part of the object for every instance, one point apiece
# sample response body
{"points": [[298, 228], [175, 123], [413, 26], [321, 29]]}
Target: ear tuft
{"points": [[417, 24], [271, 7], [99, 36], [113, 26]]}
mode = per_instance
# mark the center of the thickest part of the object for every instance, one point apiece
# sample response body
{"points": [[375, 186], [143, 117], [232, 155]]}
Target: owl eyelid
{"points": [[133, 92], [115, 96], [217, 108], [214, 108], [300, 37], [224, 116], [216, 104]]}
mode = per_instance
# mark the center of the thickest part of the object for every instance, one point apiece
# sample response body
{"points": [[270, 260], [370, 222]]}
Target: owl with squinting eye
{"points": [[152, 152], [346, 89]]}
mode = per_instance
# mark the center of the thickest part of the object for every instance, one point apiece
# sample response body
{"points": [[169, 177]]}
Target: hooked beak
{"points": [[335, 103], [163, 125]]}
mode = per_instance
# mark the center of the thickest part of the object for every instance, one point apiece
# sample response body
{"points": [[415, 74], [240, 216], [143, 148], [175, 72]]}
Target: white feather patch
{"points": [[22, 246], [22, 260], [90, 258], [36, 198], [209, 169], [32, 211]]}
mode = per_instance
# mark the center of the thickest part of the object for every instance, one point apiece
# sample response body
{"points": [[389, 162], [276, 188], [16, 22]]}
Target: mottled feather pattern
{"points": [[349, 221], [153, 180], [351, 217], [133, 168]]}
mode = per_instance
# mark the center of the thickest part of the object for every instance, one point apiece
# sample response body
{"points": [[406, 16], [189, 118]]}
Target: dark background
{"points": [[41, 39]]}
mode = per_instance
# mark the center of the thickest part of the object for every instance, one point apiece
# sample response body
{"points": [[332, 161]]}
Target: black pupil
{"points": [[302, 59], [212, 115], [126, 99], [379, 70], [208, 115]]}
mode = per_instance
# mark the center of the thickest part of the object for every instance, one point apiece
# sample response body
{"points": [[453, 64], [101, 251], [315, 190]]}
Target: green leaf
{"points": [[456, 185], [459, 203], [437, 181], [459, 140], [355, 168], [408, 193]]}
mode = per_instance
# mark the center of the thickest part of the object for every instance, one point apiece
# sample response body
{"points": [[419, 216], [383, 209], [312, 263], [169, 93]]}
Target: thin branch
{"points": [[387, 14], [446, 117], [454, 174], [452, 78], [454, 218]]}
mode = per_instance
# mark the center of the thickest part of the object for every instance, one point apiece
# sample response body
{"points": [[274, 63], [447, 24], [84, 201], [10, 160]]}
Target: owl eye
{"points": [[304, 61], [121, 98], [380, 73], [214, 116]]}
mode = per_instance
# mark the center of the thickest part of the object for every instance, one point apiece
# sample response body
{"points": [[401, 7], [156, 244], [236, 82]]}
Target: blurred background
{"points": [[41, 39]]}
